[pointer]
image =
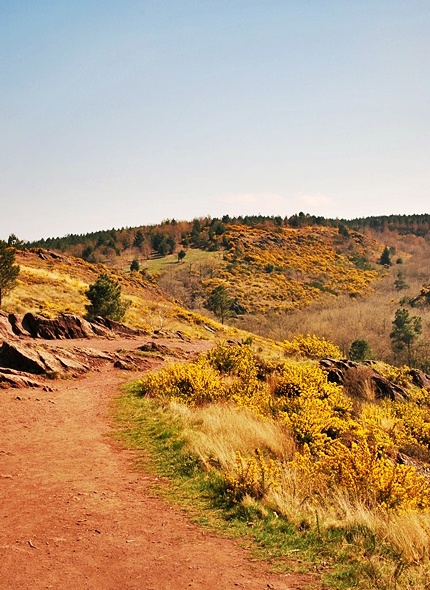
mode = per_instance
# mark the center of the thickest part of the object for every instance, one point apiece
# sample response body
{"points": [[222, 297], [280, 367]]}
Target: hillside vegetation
{"points": [[331, 471], [283, 276], [50, 284]]}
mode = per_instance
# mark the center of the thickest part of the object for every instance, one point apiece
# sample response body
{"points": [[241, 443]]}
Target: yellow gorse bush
{"points": [[311, 346], [314, 409], [244, 375], [251, 476], [366, 476], [291, 268], [190, 383], [414, 424], [338, 449]]}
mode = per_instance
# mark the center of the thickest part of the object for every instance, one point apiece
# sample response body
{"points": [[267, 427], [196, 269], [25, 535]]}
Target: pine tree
{"points": [[9, 271], [360, 350], [385, 257], [220, 302], [139, 240], [405, 331], [105, 297], [400, 282]]}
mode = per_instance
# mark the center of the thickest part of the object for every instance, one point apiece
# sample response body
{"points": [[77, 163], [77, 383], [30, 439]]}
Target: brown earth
{"points": [[74, 514]]}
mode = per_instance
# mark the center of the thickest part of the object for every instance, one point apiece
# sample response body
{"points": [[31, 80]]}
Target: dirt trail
{"points": [[74, 515]]}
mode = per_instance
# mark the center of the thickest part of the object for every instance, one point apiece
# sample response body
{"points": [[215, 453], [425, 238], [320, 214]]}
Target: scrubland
{"points": [[311, 465]]}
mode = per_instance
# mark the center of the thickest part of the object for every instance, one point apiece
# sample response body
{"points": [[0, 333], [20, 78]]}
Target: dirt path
{"points": [[74, 515]]}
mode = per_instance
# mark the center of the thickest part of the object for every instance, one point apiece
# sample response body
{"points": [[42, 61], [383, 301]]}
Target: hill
{"points": [[282, 276], [50, 284]]}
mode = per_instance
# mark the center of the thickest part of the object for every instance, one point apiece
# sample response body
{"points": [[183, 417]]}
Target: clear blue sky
{"points": [[120, 113]]}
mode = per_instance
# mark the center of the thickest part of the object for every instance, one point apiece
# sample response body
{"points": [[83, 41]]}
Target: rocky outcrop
{"points": [[27, 364], [336, 369], [343, 372], [17, 379], [154, 347], [15, 322], [38, 361], [116, 327], [64, 326], [6, 328], [420, 379]]}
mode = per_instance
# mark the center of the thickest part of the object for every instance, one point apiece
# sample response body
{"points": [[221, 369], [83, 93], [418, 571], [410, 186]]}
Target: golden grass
{"points": [[216, 431], [50, 286]]}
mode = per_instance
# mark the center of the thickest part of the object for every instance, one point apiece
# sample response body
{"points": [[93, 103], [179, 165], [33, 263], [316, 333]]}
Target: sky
{"points": [[120, 113]]}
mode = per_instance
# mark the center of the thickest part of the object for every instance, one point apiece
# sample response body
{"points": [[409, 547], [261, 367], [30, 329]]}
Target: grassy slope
{"points": [[307, 280], [350, 543], [50, 285], [268, 268], [290, 280]]}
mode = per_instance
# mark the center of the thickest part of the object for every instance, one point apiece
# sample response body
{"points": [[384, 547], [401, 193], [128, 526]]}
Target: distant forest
{"points": [[207, 233]]}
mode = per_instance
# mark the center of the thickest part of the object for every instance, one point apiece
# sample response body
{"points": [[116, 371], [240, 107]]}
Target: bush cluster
{"points": [[339, 447]]}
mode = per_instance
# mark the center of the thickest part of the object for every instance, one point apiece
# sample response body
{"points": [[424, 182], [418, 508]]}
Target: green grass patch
{"points": [[170, 262]]}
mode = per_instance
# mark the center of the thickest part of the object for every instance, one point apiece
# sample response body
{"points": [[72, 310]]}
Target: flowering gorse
{"points": [[312, 347], [339, 446]]}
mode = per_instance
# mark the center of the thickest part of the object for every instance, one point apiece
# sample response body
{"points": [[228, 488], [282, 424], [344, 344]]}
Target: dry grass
{"points": [[50, 286], [215, 432], [344, 319]]}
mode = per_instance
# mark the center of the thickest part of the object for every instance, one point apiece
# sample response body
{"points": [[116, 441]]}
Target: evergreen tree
{"points": [[360, 350], [400, 282], [15, 242], [385, 257], [105, 298], [138, 239], [220, 302], [171, 244], [9, 271], [406, 330]]}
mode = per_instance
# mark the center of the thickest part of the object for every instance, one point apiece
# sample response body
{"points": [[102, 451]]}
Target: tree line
{"points": [[205, 233]]}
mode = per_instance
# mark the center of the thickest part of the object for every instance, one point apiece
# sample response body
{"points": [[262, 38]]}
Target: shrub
{"points": [[360, 350], [312, 347], [105, 298], [190, 383], [252, 476]]}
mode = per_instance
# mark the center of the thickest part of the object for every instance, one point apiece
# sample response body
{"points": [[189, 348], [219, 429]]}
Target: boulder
{"points": [[420, 379], [6, 331], [124, 365], [337, 372], [16, 324], [387, 389], [116, 327], [64, 326], [160, 349], [17, 380], [38, 361], [21, 358]]}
